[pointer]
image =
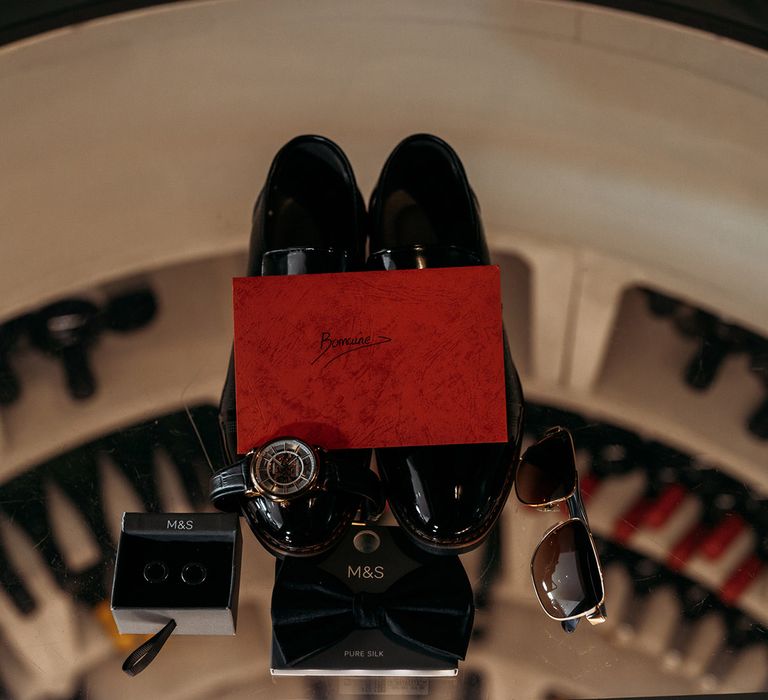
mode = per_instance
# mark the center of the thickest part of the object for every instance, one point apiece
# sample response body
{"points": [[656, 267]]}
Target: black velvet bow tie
{"points": [[429, 609]]}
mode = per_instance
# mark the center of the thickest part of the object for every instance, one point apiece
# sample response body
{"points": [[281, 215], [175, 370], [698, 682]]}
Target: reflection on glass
{"points": [[565, 571]]}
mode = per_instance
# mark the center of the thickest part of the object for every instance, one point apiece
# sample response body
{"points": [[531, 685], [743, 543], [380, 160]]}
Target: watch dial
{"points": [[284, 468]]}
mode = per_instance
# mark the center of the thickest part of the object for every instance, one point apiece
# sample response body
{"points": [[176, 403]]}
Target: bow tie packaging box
{"points": [[370, 359], [373, 607]]}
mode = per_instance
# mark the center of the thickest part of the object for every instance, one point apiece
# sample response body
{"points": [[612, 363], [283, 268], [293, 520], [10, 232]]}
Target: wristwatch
{"points": [[288, 468]]}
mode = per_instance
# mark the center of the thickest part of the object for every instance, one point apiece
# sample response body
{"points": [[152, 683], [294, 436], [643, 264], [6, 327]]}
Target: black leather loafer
{"points": [[424, 214], [309, 218]]}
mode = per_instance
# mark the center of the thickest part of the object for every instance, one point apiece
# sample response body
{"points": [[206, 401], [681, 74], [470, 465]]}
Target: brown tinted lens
{"points": [[547, 471], [566, 573]]}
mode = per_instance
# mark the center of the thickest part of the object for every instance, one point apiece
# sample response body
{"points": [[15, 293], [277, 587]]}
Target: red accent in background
{"points": [[588, 484], [664, 506], [681, 553], [725, 532], [438, 381], [740, 579], [648, 513], [631, 520]]}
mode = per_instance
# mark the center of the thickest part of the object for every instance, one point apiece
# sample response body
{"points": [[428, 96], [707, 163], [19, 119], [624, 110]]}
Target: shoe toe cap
{"points": [[303, 527], [448, 497]]}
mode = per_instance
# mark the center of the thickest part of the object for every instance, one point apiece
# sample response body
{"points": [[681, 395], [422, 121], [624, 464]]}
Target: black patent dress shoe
{"points": [[298, 499], [424, 214]]}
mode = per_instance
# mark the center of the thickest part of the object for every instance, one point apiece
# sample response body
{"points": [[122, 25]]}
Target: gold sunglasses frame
{"points": [[576, 512]]}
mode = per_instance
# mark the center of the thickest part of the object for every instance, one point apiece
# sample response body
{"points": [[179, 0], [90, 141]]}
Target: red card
{"points": [[370, 359]]}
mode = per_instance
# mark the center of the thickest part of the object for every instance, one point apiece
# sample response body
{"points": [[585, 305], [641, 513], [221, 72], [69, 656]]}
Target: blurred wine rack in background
{"points": [[684, 549], [77, 368], [683, 533], [59, 526], [716, 340], [89, 484]]}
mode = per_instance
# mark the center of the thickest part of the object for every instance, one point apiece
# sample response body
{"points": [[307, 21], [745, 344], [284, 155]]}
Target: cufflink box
{"points": [[376, 606], [180, 566]]}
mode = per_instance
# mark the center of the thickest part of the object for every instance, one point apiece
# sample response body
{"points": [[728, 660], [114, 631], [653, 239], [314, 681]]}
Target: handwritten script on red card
{"points": [[370, 359]]}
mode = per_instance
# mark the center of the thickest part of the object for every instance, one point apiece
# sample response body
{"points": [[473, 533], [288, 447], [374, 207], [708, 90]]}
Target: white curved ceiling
{"points": [[141, 139]]}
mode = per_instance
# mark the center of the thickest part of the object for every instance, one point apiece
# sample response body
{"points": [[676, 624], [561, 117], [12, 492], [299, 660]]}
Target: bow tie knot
{"points": [[367, 609], [428, 609]]}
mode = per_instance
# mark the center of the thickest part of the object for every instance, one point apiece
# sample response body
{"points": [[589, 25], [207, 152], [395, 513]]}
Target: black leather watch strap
{"points": [[360, 482], [228, 485]]}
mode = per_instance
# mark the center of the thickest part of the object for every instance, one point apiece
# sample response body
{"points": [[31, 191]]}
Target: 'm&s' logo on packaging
{"points": [[365, 572]]}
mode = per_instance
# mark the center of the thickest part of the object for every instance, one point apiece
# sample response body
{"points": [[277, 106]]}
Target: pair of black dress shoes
{"points": [[310, 218]]}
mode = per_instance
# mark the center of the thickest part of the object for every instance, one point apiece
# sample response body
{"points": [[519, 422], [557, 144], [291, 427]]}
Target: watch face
{"points": [[284, 468]]}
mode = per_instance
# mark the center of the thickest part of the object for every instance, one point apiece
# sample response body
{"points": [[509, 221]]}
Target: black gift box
{"points": [[375, 606], [180, 566]]}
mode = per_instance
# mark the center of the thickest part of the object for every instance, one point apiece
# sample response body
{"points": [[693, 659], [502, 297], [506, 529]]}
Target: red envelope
{"points": [[370, 359]]}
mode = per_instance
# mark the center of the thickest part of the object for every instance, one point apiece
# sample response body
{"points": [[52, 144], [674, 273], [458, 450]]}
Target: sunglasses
{"points": [[565, 569]]}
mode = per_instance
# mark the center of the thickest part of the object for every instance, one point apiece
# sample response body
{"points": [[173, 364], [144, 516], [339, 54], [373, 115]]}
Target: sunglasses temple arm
{"points": [[576, 509], [576, 506]]}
